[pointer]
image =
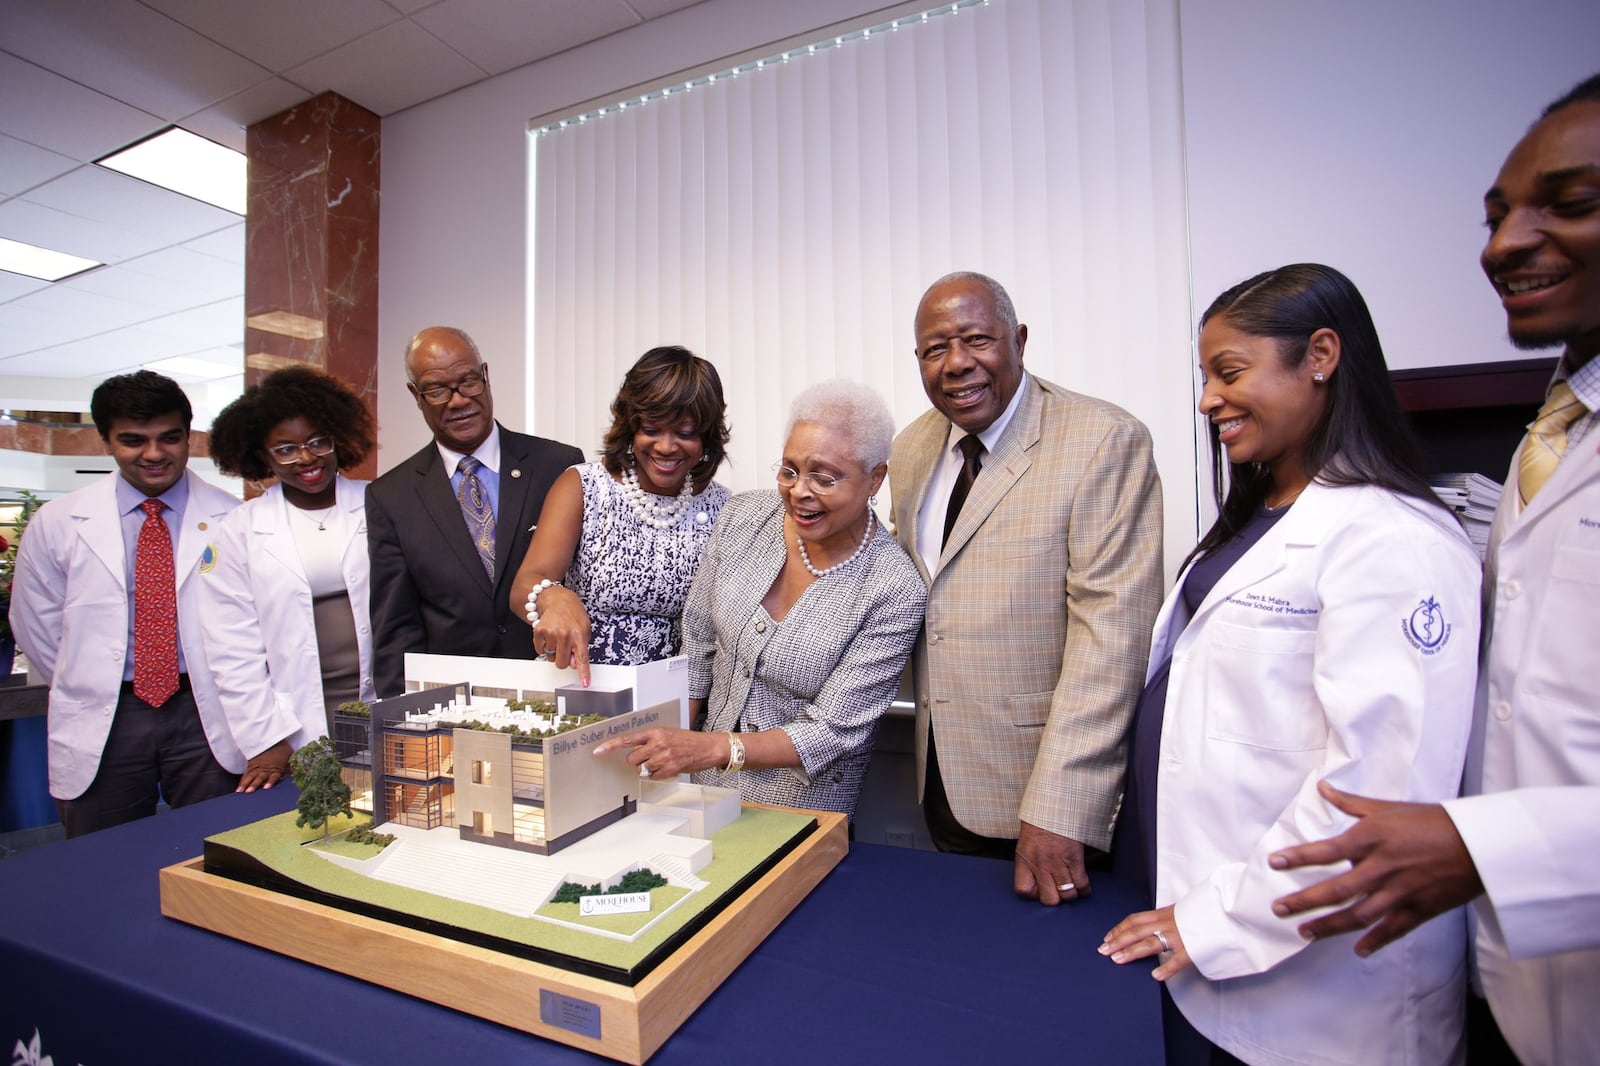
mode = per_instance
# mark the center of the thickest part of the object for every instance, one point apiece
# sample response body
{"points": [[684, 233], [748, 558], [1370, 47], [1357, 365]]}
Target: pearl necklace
{"points": [[805, 556], [651, 513]]}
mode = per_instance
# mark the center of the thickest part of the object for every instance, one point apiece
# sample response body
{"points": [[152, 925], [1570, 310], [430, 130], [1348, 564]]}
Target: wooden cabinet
{"points": [[1470, 418]]}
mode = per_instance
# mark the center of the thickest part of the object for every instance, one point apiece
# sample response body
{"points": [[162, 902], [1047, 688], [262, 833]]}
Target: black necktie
{"points": [[972, 448]]}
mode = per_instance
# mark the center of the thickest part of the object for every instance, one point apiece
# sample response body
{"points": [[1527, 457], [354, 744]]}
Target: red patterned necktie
{"points": [[155, 610], [475, 508]]}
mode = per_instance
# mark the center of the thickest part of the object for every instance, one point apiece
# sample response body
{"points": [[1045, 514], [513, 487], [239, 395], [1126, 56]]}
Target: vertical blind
{"points": [[785, 222]]}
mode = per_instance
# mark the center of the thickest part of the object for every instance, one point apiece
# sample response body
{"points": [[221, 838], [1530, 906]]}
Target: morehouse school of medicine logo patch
{"points": [[1426, 629], [208, 559]]}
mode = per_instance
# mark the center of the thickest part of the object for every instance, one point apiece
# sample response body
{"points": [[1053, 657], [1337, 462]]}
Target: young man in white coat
{"points": [[133, 711], [1523, 843]]}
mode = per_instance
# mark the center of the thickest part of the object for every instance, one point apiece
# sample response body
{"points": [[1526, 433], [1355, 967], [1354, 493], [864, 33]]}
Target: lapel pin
{"points": [[203, 527], [516, 473]]}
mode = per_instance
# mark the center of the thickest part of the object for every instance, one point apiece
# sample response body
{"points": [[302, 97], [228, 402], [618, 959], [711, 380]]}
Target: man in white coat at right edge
{"points": [[1523, 842]]}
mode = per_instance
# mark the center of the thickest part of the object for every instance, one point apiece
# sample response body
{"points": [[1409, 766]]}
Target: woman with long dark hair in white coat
{"points": [[1326, 627]]}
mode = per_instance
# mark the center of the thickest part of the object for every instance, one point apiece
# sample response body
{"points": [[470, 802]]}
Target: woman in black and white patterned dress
{"points": [[620, 539], [799, 623]]}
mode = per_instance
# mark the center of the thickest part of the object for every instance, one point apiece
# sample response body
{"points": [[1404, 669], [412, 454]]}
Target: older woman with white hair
{"points": [[799, 622]]}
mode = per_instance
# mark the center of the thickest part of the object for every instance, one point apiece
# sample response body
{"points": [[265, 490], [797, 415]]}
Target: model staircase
{"points": [[673, 868]]}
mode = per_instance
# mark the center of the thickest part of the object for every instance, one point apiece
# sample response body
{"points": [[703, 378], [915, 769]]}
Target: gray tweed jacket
{"points": [[824, 675]]}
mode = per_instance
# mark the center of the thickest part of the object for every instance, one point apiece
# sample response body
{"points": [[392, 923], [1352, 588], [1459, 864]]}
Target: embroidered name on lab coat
{"points": [[1257, 601]]}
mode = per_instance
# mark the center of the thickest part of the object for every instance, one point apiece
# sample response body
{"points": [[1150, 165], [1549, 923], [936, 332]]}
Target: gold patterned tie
{"points": [[1547, 440]]}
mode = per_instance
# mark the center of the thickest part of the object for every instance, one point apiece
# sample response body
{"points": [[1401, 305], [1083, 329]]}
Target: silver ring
{"points": [[1066, 886], [1163, 938], [644, 769]]}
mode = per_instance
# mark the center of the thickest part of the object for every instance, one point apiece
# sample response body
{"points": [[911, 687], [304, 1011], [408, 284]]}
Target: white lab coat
{"points": [[1316, 655], [69, 609], [261, 639], [1531, 818]]}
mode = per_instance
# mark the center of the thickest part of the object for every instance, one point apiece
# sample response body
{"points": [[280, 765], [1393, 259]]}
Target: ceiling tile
{"points": [[47, 110], [215, 324], [205, 277], [111, 352], [22, 165], [226, 244], [153, 296], [14, 285], [92, 360], [26, 329], [22, 220], [225, 123], [651, 9], [81, 312], [394, 68], [107, 196], [225, 355], [173, 279], [283, 33], [126, 50], [501, 35]]}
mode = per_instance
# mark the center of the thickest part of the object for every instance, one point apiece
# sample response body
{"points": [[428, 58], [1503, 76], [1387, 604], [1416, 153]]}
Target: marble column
{"points": [[311, 255]]}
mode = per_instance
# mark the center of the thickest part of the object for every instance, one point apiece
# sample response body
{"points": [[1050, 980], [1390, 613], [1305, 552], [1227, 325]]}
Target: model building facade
{"points": [[507, 757]]}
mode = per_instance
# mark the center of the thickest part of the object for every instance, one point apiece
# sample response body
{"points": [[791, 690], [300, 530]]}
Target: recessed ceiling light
{"points": [[179, 160], [41, 263], [189, 367]]}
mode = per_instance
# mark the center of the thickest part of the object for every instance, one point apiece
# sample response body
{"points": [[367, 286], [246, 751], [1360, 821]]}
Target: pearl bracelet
{"points": [[533, 599], [735, 754]]}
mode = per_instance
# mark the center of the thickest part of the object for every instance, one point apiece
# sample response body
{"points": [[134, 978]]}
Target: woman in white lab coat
{"points": [[1326, 627], [288, 634]]}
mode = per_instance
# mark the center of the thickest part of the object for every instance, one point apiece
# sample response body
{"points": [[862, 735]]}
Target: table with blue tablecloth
{"points": [[898, 956], [24, 778]]}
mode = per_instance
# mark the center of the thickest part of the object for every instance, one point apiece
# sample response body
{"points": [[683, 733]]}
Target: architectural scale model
{"points": [[506, 756], [500, 752]]}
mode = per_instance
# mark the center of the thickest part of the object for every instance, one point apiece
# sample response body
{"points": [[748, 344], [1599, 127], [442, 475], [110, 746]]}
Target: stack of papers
{"points": [[1473, 498]]}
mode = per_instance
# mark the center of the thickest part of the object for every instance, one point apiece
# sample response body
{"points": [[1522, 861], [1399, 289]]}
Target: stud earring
{"points": [[1317, 377], [872, 501]]}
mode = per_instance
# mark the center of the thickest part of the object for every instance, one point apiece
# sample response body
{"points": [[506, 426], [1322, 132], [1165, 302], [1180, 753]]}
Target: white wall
{"points": [[1360, 134], [1363, 134]]}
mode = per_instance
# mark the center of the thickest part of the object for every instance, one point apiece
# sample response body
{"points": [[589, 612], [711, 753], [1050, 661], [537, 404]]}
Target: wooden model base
{"points": [[620, 1022]]}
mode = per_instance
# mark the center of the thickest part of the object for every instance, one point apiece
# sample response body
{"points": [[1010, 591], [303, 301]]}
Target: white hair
{"points": [[1002, 299], [852, 407]]}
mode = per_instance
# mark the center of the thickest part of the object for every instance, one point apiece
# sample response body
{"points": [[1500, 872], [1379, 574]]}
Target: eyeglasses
{"points": [[821, 484], [439, 395], [290, 453]]}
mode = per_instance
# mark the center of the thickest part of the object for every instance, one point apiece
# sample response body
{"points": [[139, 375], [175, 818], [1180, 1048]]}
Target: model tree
{"points": [[323, 792]]}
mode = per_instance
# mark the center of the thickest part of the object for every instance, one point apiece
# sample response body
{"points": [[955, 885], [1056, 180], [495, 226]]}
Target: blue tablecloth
{"points": [[24, 779], [898, 956]]}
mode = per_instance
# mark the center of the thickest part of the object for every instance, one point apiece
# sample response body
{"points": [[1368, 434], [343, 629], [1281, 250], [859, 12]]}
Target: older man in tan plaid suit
{"points": [[1043, 585]]}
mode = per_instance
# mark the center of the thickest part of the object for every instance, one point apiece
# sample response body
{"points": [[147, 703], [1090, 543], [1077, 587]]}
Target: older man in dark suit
{"points": [[447, 528]]}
